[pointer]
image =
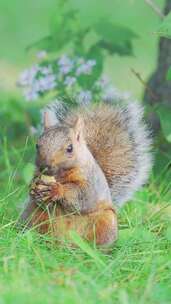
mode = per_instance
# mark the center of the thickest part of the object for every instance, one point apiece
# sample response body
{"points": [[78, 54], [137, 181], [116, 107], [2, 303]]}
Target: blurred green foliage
{"points": [[169, 74], [164, 29], [66, 30], [25, 22]]}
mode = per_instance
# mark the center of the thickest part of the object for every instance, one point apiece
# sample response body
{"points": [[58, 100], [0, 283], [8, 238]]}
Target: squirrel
{"points": [[90, 160]]}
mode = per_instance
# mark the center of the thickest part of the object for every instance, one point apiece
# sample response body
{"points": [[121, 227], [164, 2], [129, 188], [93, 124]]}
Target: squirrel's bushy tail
{"points": [[119, 141]]}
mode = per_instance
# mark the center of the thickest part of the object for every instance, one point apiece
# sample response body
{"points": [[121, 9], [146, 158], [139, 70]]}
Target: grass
{"points": [[34, 269]]}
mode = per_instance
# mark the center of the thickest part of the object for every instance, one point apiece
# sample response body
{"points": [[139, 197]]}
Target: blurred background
{"points": [[24, 22]]}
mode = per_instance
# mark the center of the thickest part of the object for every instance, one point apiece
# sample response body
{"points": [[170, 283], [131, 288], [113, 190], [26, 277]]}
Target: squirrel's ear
{"points": [[49, 119], [78, 127]]}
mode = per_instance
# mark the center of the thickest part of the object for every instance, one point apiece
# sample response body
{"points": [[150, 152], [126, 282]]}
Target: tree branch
{"points": [[155, 8], [147, 87]]}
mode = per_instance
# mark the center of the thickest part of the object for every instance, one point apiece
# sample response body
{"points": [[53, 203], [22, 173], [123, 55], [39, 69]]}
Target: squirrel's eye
{"points": [[69, 148]]}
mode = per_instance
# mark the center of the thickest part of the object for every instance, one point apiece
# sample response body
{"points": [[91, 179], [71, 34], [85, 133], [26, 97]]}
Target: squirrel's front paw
{"points": [[46, 191], [56, 192]]}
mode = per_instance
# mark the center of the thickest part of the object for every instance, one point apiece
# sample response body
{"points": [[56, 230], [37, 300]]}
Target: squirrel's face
{"points": [[59, 147]]}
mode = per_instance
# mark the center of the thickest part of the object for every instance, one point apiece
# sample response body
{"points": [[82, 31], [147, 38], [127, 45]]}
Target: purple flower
{"points": [[65, 65], [64, 60], [84, 97], [86, 68], [45, 83], [46, 70], [28, 76], [70, 81], [30, 95], [65, 70], [103, 82]]}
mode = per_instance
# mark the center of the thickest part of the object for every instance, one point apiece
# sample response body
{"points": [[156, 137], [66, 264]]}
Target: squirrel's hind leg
{"points": [[99, 226], [103, 228]]}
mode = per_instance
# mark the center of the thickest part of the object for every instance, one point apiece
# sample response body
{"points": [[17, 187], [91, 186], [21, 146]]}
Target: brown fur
{"points": [[75, 176], [109, 141], [99, 226]]}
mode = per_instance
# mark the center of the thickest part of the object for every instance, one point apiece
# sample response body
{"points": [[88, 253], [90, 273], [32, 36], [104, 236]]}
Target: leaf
{"points": [[164, 30], [63, 21], [115, 38], [47, 43], [34, 115], [96, 53], [164, 113], [87, 81], [64, 27], [168, 76]]}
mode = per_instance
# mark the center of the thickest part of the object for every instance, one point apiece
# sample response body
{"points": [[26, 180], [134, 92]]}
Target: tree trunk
{"points": [[158, 84]]}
